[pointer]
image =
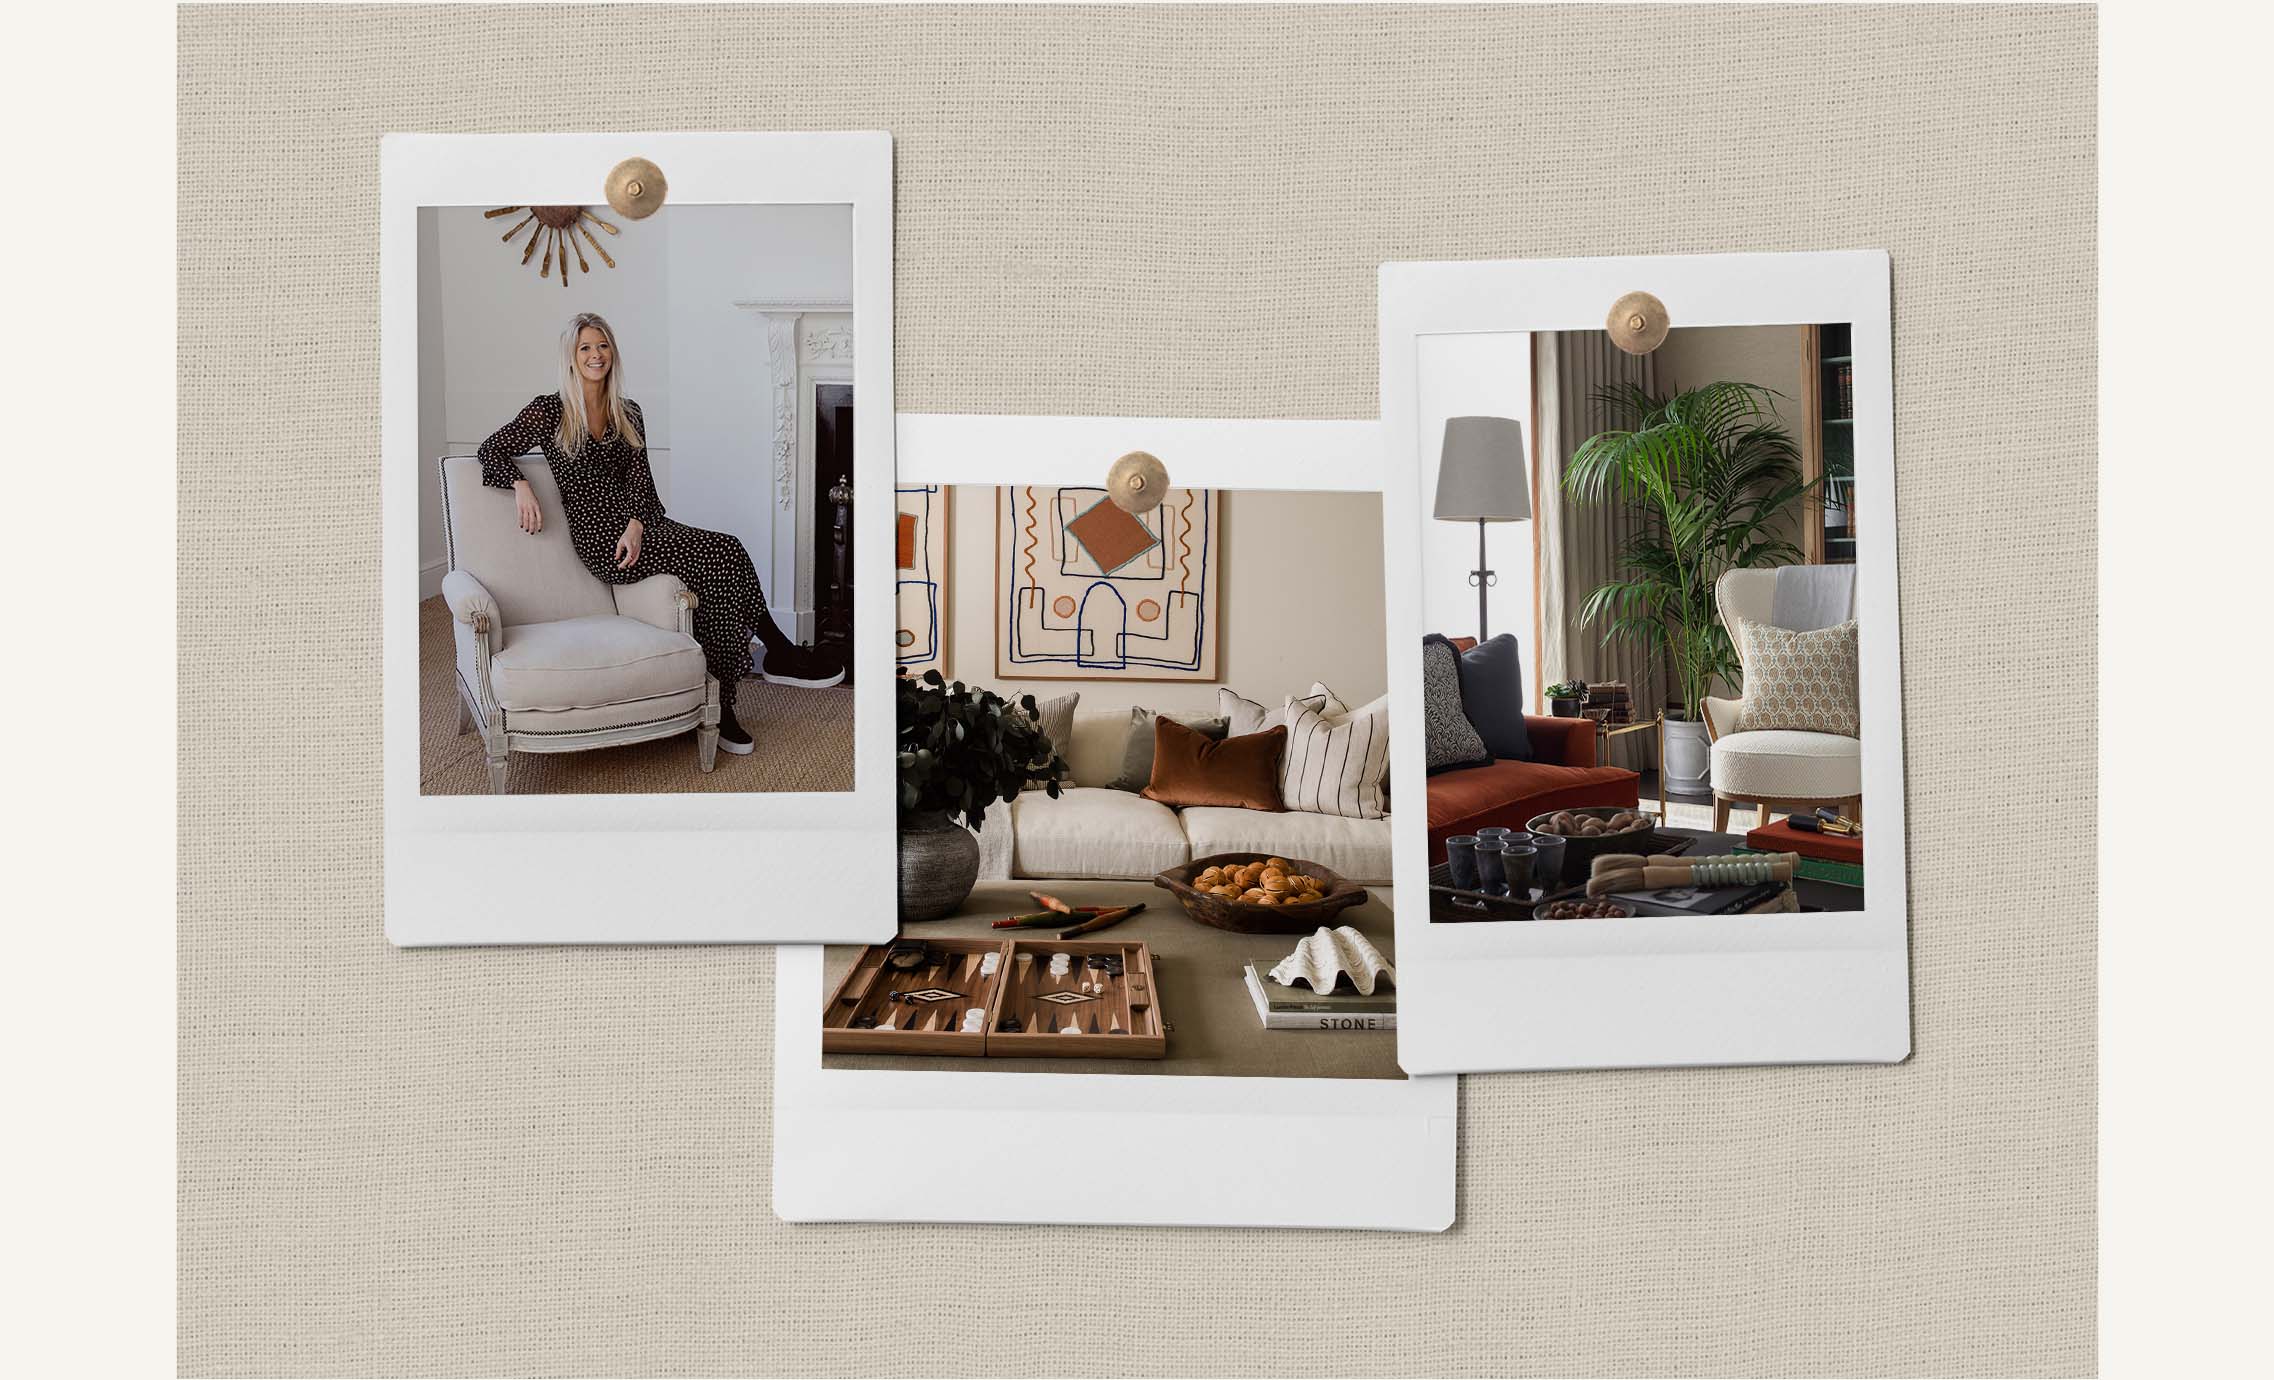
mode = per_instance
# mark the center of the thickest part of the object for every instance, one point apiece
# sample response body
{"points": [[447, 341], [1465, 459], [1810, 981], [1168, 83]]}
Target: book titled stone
{"points": [[1283, 1008]]}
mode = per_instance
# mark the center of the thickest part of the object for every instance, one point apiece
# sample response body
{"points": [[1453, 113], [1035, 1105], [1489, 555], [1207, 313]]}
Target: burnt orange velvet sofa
{"points": [[1509, 793]]}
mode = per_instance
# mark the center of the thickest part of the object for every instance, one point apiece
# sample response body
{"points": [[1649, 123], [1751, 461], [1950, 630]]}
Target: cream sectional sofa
{"points": [[1094, 831]]}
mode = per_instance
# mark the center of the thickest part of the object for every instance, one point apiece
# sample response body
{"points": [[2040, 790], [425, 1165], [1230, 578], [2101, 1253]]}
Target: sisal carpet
{"points": [[804, 737]]}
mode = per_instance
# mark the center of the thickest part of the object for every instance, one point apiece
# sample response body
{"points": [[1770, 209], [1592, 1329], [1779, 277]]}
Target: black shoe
{"points": [[732, 735], [810, 667]]}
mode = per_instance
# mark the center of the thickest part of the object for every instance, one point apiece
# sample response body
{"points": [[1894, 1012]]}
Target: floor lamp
{"points": [[1481, 478]]}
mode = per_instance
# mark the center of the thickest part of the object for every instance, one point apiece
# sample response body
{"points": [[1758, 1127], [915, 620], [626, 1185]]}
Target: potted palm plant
{"points": [[962, 749], [1713, 472]]}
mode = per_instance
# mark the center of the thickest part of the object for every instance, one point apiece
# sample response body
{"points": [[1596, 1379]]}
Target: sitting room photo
{"points": [[635, 499], [1144, 758], [1640, 572]]}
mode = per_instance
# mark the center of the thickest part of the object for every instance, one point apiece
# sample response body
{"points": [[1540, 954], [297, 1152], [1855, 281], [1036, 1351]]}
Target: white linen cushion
{"points": [[1359, 849], [1092, 831], [1335, 767], [585, 663], [1245, 716], [1786, 764]]}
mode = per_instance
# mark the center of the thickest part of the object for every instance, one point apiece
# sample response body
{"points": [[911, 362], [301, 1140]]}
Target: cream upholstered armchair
{"points": [[551, 659], [1783, 769]]}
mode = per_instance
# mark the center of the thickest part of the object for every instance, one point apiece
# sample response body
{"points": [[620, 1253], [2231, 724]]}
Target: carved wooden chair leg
{"points": [[1720, 813], [1764, 815], [707, 732]]}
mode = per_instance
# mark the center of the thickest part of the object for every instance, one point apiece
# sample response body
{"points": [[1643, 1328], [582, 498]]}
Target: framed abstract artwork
{"points": [[920, 530], [1087, 591]]}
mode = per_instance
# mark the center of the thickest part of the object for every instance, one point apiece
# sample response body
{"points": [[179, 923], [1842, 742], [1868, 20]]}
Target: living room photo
{"points": [[1144, 749], [635, 540], [1641, 682]]}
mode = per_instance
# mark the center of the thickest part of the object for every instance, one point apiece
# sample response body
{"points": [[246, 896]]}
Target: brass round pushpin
{"points": [[1137, 482], [636, 188], [1638, 323]]}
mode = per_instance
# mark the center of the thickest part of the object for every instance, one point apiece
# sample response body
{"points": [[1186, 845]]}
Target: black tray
{"points": [[1449, 903]]}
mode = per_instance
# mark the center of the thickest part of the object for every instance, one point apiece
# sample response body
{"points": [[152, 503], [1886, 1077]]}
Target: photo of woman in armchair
{"points": [[594, 436]]}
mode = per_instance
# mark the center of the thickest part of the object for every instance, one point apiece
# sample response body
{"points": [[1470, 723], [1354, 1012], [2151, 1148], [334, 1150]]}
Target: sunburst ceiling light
{"points": [[557, 229]]}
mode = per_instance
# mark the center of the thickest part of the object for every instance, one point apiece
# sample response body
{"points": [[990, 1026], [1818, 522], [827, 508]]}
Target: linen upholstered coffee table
{"points": [[1213, 1026]]}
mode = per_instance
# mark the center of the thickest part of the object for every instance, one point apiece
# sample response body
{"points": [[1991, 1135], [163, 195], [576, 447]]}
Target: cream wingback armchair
{"points": [[1783, 769], [551, 659]]}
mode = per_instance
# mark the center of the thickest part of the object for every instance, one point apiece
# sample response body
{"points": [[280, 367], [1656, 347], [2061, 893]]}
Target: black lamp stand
{"points": [[1484, 579]]}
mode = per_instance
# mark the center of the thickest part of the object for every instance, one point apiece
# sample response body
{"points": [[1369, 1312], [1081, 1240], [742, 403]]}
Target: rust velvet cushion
{"points": [[1190, 768]]}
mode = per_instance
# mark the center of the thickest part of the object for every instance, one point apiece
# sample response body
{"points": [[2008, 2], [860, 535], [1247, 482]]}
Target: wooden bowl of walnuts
{"points": [[1589, 833], [1259, 893]]}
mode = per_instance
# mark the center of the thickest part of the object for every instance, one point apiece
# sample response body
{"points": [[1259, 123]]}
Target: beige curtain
{"points": [[1579, 546]]}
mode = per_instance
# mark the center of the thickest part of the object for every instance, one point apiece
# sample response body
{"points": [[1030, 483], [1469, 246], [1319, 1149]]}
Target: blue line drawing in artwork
{"points": [[1102, 623], [919, 582]]}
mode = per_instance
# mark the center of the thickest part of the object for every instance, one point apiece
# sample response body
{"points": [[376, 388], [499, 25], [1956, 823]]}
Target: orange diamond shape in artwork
{"points": [[1111, 536]]}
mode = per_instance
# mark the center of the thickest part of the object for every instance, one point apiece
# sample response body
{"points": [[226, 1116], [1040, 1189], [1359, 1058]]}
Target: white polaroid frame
{"points": [[1142, 1150], [698, 868], [1654, 991]]}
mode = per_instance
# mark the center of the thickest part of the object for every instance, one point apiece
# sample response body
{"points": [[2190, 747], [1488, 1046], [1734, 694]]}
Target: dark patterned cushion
{"points": [[1449, 740]]}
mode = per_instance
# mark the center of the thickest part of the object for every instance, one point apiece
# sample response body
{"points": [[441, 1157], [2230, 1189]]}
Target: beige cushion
{"points": [[1798, 680], [1781, 764], [1099, 742], [1246, 716], [629, 714], [581, 663], [1359, 849], [1090, 831], [534, 578]]}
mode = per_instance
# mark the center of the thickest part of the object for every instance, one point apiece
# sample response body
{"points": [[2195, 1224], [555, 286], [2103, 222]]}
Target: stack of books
{"points": [[1612, 696], [1299, 1008], [1834, 858]]}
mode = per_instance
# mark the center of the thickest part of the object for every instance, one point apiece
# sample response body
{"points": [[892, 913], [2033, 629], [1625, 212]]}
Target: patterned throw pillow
{"points": [[1055, 717], [1335, 767], [1449, 740], [1798, 680]]}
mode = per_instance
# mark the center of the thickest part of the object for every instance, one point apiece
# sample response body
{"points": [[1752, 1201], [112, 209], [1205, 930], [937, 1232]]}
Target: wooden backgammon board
{"points": [[1008, 998]]}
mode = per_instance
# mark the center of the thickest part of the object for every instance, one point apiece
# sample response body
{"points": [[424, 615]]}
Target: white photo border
{"points": [[1655, 991], [694, 868], [1148, 1150]]}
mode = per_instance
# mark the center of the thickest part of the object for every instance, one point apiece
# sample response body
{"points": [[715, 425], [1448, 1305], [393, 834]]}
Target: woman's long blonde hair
{"points": [[575, 426]]}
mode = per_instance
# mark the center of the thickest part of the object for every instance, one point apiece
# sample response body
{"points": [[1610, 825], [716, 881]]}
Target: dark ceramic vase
{"points": [[939, 864]]}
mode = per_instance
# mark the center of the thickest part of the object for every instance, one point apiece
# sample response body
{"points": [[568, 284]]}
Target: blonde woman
{"points": [[597, 443]]}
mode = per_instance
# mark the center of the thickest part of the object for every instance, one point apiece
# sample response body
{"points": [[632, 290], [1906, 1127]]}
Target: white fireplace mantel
{"points": [[807, 342]]}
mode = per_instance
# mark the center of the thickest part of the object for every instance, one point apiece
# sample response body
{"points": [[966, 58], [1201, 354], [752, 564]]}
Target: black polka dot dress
{"points": [[604, 486]]}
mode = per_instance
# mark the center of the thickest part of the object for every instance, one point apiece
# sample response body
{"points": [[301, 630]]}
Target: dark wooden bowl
{"points": [[1246, 918], [1580, 851]]}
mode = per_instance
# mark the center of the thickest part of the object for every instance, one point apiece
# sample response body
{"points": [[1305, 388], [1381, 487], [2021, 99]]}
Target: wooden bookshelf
{"points": [[1827, 447]]}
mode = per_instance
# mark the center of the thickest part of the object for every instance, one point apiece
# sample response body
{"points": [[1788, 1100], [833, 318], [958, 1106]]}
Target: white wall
{"points": [[489, 334], [1488, 375], [1278, 632]]}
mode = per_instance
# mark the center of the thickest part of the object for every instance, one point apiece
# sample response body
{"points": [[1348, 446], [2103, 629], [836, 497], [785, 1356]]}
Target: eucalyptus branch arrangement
{"points": [[1713, 471], [963, 749]]}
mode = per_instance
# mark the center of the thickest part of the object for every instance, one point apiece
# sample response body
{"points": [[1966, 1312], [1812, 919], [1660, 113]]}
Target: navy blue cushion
{"points": [[1492, 695]]}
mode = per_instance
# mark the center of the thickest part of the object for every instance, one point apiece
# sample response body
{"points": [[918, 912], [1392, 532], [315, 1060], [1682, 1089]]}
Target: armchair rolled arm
{"points": [[1561, 742], [660, 601], [470, 603]]}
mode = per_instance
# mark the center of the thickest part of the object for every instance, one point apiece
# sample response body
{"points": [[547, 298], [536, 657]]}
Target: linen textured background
{"points": [[550, 1161]]}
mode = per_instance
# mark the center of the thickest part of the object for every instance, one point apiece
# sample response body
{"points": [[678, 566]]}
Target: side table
{"points": [[1605, 732]]}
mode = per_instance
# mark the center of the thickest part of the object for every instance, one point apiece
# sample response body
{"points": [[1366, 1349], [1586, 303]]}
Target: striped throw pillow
{"points": [[1336, 766]]}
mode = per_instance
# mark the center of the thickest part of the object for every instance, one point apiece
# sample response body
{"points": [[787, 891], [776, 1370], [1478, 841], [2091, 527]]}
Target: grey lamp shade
{"points": [[1481, 471]]}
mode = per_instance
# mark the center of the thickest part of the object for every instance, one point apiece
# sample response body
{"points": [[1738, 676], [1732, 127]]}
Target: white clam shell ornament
{"points": [[1327, 954]]}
